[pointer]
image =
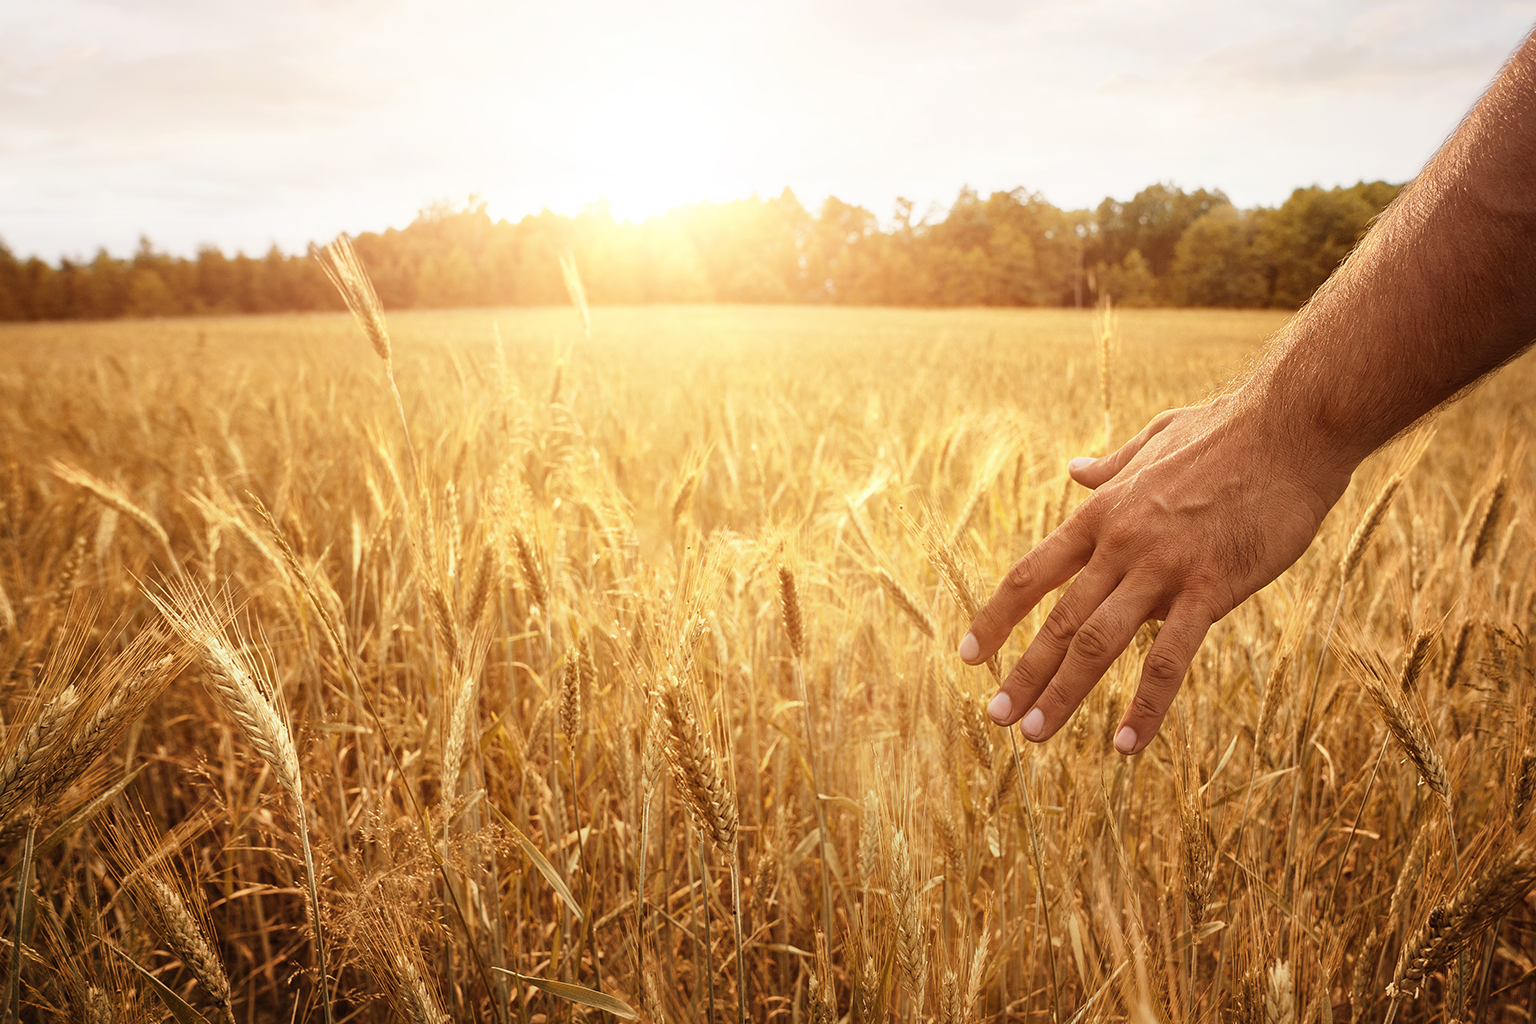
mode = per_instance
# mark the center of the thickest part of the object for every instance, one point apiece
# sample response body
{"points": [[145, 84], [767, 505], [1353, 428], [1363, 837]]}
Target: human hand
{"points": [[1191, 516]]}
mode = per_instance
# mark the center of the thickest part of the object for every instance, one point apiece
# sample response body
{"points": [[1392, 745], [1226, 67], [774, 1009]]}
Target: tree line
{"points": [[1165, 246]]}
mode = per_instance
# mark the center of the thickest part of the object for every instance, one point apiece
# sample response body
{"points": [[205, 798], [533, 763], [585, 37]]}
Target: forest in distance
{"points": [[1164, 247]]}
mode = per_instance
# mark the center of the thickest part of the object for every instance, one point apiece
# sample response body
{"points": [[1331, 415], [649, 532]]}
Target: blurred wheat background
{"points": [[623, 683]]}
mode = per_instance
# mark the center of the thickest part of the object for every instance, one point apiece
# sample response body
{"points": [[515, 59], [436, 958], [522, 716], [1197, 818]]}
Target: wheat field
{"points": [[610, 672]]}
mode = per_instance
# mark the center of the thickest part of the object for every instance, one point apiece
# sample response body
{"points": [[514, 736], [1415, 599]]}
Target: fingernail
{"points": [[1033, 724], [1000, 706], [969, 648], [1081, 462], [1125, 740]]}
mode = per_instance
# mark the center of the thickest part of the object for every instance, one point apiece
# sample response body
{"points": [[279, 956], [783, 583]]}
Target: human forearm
{"points": [[1441, 291]]}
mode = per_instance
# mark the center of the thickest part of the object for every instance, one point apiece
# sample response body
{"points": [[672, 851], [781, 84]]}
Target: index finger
{"points": [[1050, 564]]}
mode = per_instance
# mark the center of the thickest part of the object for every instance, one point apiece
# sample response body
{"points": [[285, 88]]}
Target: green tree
{"points": [[149, 295], [12, 295], [1150, 223], [1215, 263], [1311, 233], [1129, 282]]}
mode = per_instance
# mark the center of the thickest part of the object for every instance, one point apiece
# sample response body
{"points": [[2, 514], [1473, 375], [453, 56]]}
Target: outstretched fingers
{"points": [[1162, 673], [1078, 607], [1045, 568], [1095, 645]]}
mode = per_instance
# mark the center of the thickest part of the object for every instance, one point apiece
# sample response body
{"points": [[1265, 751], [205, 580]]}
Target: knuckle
{"points": [[1056, 632], [1086, 517], [989, 628], [1117, 537], [1145, 707], [1093, 642], [1162, 669], [993, 622], [1021, 576], [1019, 685]]}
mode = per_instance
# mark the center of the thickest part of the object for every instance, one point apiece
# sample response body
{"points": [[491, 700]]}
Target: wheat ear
{"points": [[794, 631], [903, 599], [789, 605], [911, 929], [950, 565], [1483, 537], [246, 694], [575, 289], [1194, 839], [1453, 925], [462, 723], [26, 762], [711, 802], [113, 497], [1369, 524], [533, 575], [7, 612], [394, 960], [1458, 654], [696, 770], [119, 695], [187, 939], [1402, 718], [340, 263], [1280, 995], [1107, 326]]}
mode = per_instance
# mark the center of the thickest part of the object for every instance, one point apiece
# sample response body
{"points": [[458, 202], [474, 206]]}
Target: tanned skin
{"points": [[1210, 503]]}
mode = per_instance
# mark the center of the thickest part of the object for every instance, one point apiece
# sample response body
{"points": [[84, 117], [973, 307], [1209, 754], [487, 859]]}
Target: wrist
{"points": [[1296, 436]]}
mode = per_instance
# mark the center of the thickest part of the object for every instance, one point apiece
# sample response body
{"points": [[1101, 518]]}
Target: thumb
{"points": [[1094, 473]]}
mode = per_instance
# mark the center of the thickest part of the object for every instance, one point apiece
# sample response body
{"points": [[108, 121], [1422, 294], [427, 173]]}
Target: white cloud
{"points": [[240, 124]]}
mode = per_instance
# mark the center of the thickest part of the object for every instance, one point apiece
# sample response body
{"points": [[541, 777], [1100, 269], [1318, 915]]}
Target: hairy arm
{"points": [[1208, 504]]}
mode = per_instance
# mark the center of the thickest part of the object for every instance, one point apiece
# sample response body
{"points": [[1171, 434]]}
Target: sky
{"points": [[244, 125]]}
